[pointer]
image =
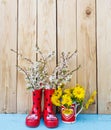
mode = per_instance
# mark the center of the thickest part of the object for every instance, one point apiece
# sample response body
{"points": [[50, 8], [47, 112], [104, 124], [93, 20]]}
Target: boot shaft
{"points": [[37, 96], [48, 107], [47, 96]]}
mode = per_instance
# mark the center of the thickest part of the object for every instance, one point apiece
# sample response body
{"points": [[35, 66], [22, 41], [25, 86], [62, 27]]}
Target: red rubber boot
{"points": [[50, 120], [33, 119]]}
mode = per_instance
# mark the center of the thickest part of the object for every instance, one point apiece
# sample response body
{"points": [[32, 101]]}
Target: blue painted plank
{"points": [[84, 122]]}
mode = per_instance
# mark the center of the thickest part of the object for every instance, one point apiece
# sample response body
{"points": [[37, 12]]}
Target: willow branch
{"points": [[27, 59], [73, 70], [71, 55], [24, 71]]}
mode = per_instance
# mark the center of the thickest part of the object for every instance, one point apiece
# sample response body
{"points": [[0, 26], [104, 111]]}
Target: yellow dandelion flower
{"points": [[55, 100], [91, 100], [87, 105], [58, 92], [67, 91], [79, 92], [66, 100]]}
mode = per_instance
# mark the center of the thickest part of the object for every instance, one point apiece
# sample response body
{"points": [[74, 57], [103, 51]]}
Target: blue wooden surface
{"points": [[84, 122]]}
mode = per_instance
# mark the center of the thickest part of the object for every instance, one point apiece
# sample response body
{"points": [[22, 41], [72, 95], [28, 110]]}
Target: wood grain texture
{"points": [[47, 28], [8, 37], [26, 43], [86, 43], [66, 21], [104, 54]]}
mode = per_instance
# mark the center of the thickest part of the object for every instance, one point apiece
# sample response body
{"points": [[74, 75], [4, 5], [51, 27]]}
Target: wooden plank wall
{"points": [[86, 46], [26, 44], [8, 40], [59, 25], [103, 55], [66, 31]]}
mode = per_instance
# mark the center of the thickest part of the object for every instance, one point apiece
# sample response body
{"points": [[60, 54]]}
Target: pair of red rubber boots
{"points": [[33, 119]]}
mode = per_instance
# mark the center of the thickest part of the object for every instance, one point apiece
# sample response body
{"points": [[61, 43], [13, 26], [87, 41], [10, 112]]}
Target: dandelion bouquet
{"points": [[73, 95]]}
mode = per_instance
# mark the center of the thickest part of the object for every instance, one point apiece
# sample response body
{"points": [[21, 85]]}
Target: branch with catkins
{"points": [[36, 74], [62, 74]]}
